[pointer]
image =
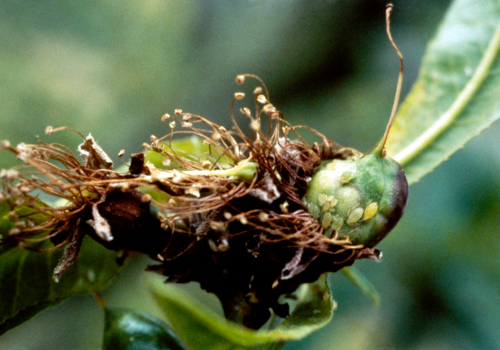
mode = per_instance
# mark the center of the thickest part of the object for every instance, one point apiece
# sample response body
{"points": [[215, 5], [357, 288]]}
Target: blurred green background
{"points": [[114, 68]]}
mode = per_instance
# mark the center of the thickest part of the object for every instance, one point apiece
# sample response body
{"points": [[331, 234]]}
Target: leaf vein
{"points": [[447, 118]]}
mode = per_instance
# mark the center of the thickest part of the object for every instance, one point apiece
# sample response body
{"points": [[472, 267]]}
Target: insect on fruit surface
{"points": [[364, 197]]}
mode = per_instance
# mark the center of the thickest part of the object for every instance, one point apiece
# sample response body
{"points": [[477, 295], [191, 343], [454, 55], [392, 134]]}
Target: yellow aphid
{"points": [[326, 206], [337, 223], [370, 211], [346, 177], [327, 220], [322, 198]]}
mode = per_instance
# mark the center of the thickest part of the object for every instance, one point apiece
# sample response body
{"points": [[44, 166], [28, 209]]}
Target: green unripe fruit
{"points": [[362, 198]]}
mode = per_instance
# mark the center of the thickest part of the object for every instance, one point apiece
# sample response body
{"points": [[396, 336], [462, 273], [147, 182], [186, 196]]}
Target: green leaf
{"points": [[202, 328], [6, 223], [27, 286], [128, 329], [362, 283], [457, 93], [187, 145]]}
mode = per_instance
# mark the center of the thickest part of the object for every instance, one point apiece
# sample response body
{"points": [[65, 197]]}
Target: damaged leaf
{"points": [[71, 252], [93, 155]]}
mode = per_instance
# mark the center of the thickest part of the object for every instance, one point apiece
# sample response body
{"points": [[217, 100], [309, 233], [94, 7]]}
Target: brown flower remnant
{"points": [[87, 201], [231, 218]]}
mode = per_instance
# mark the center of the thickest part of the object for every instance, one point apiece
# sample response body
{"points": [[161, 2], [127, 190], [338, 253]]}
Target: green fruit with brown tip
{"points": [[362, 198]]}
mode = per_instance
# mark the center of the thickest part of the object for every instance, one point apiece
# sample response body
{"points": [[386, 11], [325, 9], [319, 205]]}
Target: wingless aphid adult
{"points": [[361, 197]]}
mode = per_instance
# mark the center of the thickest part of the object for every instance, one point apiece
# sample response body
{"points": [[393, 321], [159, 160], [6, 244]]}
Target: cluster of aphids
{"points": [[248, 217]]}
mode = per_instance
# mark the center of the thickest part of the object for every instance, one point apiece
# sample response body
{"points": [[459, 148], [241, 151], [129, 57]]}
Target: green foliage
{"points": [[456, 95], [192, 146], [26, 283], [128, 329], [201, 328], [6, 222]]}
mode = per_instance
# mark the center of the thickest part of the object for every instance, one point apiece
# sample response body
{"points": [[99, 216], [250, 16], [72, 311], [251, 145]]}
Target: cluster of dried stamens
{"points": [[54, 170], [202, 189], [268, 166]]}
